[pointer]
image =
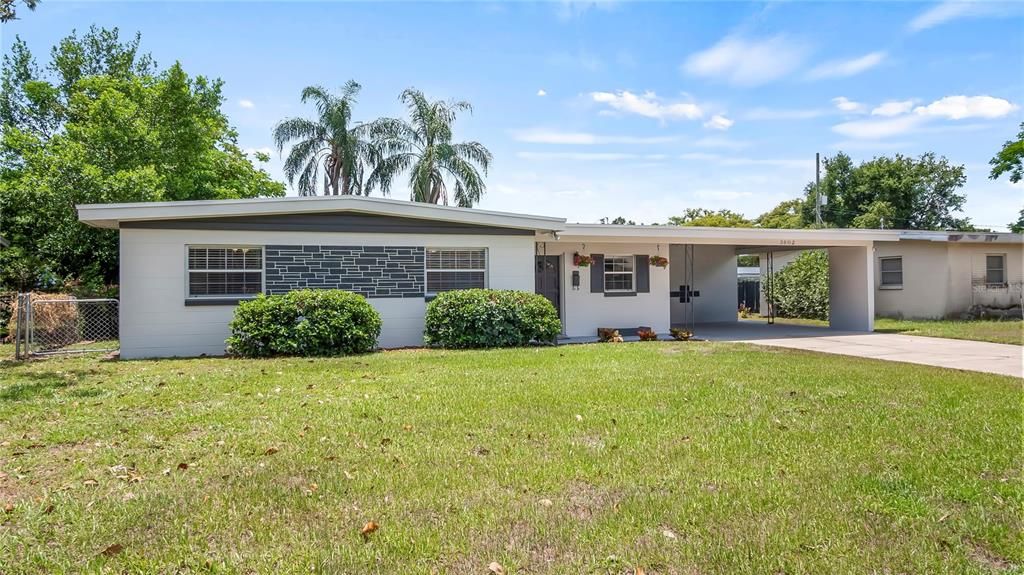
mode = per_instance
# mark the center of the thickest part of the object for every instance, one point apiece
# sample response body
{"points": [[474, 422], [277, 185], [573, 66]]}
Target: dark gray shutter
{"points": [[643, 274], [596, 273]]}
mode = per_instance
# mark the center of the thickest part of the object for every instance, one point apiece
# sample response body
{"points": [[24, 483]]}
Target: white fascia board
{"points": [[110, 215], [962, 237], [732, 236]]}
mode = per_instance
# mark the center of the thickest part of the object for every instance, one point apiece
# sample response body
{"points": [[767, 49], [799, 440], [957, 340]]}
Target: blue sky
{"points": [[618, 108]]}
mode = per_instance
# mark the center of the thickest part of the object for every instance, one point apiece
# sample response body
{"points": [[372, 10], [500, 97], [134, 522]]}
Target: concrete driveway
{"points": [[1000, 358]]}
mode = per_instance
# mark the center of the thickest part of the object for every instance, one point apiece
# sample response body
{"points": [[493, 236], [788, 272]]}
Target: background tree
{"points": [[707, 218], [904, 192], [801, 288], [102, 125], [423, 147], [331, 144], [8, 10], [787, 215], [1010, 159]]}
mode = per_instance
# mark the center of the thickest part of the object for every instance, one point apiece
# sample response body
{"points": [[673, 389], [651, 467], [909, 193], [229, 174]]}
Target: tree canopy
{"points": [[1010, 160], [892, 192], [100, 124], [787, 215], [439, 170], [709, 218]]}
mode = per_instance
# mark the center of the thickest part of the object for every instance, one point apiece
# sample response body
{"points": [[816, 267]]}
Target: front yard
{"points": [[667, 457], [995, 331]]}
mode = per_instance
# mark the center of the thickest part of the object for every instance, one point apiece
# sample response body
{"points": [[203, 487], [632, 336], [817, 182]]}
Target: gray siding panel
{"points": [[338, 222], [643, 274], [597, 273]]}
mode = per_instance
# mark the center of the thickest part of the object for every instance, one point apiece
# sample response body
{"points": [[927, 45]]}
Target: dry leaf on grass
{"points": [[112, 550], [8, 508], [368, 529], [496, 568], [182, 466], [270, 451], [90, 483]]}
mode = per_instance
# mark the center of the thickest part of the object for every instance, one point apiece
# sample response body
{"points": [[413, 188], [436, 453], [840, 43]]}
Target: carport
{"points": [[698, 286]]}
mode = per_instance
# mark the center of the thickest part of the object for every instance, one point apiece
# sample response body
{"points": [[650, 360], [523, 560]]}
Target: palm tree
{"points": [[424, 148], [330, 144]]}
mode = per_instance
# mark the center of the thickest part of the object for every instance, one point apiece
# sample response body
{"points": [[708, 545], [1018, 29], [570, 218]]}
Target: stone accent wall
{"points": [[373, 271]]}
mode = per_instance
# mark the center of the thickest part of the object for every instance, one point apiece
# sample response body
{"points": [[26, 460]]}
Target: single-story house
{"points": [[931, 275], [185, 265]]}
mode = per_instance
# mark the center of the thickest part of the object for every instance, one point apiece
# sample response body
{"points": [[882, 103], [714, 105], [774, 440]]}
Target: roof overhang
{"points": [[113, 215], [962, 237], [758, 237]]}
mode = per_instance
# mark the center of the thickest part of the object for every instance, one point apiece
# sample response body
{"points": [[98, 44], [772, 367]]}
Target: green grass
{"points": [[1006, 331], [676, 457], [995, 331]]}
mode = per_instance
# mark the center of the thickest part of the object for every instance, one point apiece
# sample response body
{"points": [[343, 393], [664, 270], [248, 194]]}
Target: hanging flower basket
{"points": [[581, 261], [659, 262]]}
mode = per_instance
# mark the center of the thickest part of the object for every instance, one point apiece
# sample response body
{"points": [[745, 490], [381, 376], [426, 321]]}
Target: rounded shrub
{"points": [[801, 289], [490, 318], [305, 323]]}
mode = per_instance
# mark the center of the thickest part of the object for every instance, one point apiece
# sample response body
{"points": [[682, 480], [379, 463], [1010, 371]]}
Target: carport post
{"points": [[851, 276]]}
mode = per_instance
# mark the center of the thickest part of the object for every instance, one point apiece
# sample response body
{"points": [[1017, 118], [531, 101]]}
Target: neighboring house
{"points": [[185, 265], [928, 275]]}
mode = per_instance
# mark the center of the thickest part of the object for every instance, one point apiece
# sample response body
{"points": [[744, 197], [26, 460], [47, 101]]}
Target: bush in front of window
{"points": [[304, 323], [476, 318]]}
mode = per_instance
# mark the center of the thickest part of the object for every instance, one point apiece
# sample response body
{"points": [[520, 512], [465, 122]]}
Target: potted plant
{"points": [[647, 334], [659, 261], [581, 261], [680, 334]]}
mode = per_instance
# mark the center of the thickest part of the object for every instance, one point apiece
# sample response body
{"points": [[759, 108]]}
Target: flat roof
{"points": [[112, 215], [759, 237]]}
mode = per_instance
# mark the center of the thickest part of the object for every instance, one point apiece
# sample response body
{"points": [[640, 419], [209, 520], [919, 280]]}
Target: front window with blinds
{"points": [[892, 272], [995, 270], [215, 271], [453, 269], [618, 273]]}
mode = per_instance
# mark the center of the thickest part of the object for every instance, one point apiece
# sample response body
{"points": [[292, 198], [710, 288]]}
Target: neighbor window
{"points": [[995, 270], [892, 272], [224, 271], [618, 273], [452, 269]]}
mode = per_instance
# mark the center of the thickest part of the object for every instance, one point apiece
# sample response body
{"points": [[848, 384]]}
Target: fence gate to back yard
{"points": [[45, 325]]}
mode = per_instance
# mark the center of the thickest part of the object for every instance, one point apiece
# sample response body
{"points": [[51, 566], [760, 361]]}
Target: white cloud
{"points": [[785, 114], [248, 104], [648, 105], [878, 129], [846, 105], [960, 107], [846, 68], [719, 122], [941, 13], [898, 121], [747, 62], [543, 136], [541, 92], [893, 108]]}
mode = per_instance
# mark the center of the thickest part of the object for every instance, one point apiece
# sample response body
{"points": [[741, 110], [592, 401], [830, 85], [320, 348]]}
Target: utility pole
{"points": [[817, 189]]}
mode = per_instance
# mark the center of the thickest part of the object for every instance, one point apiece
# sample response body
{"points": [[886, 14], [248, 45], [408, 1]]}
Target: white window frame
{"points": [[999, 285], [189, 270], [427, 270], [632, 273], [881, 273]]}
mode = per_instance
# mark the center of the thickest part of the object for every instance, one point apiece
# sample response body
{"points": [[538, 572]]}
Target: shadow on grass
{"points": [[38, 385]]}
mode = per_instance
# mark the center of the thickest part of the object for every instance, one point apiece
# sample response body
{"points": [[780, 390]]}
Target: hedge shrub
{"points": [[801, 288], [490, 318], [304, 323]]}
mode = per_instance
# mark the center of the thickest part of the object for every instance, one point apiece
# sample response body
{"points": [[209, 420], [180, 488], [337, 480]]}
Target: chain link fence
{"points": [[49, 325]]}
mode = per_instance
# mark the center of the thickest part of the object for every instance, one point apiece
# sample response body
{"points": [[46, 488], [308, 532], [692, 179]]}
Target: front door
{"points": [[547, 280]]}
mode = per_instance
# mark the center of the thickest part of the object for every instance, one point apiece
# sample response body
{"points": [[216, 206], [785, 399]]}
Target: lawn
{"points": [[1005, 331], [671, 457]]}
